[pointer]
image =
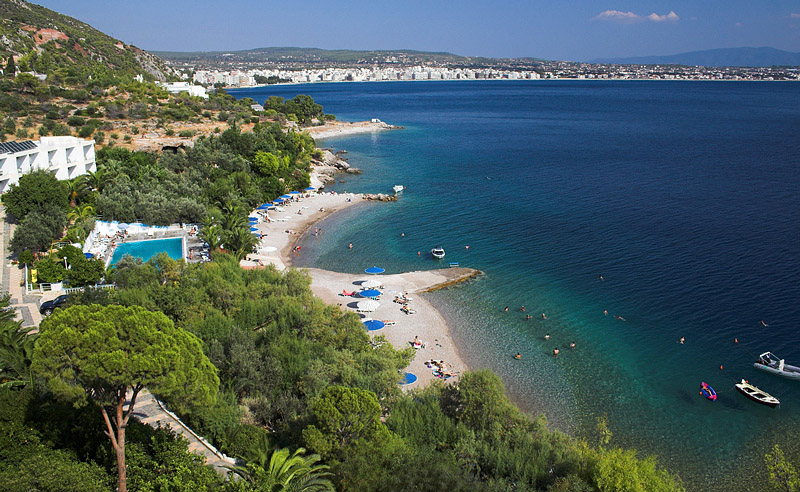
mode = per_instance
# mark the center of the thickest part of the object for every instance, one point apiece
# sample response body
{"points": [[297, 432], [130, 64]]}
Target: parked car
{"points": [[47, 307]]}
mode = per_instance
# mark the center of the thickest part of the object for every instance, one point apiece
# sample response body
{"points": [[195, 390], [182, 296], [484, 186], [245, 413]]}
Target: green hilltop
{"points": [[56, 45]]}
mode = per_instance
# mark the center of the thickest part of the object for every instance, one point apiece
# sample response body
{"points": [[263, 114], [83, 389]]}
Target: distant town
{"points": [[247, 75]]}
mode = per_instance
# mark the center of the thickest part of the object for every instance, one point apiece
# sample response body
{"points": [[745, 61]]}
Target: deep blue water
{"points": [[150, 248], [684, 196]]}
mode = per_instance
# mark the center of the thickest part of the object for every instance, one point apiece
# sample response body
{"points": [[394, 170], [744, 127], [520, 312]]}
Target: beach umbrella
{"points": [[310, 188], [368, 305], [374, 270], [122, 227], [88, 255], [253, 220], [374, 324], [262, 207], [285, 196], [254, 229], [370, 293], [295, 193], [408, 378], [369, 284]]}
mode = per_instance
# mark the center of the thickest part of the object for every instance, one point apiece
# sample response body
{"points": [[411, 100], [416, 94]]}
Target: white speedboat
{"points": [[769, 362], [398, 188], [438, 253]]}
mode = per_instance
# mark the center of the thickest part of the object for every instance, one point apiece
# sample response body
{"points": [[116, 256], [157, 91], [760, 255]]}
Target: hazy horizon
{"points": [[580, 31]]}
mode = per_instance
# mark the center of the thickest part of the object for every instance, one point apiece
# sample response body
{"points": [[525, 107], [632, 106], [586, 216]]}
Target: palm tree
{"points": [[283, 473], [212, 235], [85, 211], [16, 348], [240, 241]]}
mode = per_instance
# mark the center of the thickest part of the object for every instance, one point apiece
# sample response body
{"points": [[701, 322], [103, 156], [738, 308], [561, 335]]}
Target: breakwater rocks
{"points": [[330, 164], [380, 197]]}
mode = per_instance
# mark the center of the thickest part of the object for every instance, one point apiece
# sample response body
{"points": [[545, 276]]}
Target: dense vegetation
{"points": [[297, 373], [69, 49]]}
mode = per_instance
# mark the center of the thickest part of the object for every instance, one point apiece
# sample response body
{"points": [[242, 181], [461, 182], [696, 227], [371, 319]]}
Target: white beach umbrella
{"points": [[368, 305], [269, 249], [371, 284]]}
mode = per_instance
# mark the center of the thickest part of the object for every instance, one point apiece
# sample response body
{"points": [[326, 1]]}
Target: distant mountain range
{"points": [[724, 57]]}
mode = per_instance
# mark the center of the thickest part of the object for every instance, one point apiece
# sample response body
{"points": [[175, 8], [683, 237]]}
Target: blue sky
{"points": [[576, 30]]}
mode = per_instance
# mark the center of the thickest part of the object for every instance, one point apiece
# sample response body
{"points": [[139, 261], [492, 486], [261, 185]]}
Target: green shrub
{"points": [[76, 121], [99, 137], [115, 135], [170, 132], [86, 131], [186, 134], [126, 138], [22, 133], [135, 130]]}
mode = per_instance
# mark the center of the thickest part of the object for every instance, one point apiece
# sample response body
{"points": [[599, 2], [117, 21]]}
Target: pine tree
{"points": [[11, 69]]}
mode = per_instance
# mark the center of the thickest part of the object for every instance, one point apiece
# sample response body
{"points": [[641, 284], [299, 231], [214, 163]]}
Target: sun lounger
{"points": [[389, 322], [345, 293]]}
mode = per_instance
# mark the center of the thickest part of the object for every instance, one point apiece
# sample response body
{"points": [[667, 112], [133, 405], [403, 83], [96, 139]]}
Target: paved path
{"points": [[148, 409], [153, 413], [11, 280]]}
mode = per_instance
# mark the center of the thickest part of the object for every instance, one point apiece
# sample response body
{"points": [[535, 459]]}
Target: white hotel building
{"points": [[65, 157]]}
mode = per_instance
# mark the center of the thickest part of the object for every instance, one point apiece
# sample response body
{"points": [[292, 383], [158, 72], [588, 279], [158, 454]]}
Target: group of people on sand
{"points": [[441, 371]]}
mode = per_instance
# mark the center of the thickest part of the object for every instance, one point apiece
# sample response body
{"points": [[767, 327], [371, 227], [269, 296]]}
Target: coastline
{"points": [[287, 228], [342, 128]]}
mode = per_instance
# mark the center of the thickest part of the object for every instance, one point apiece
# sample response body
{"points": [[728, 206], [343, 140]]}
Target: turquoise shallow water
{"points": [[148, 249], [682, 195]]}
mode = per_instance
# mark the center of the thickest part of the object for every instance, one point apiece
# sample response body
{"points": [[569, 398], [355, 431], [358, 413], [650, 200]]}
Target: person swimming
{"points": [[543, 316], [547, 337], [572, 345], [518, 356], [555, 351], [522, 308], [682, 339], [764, 323]]}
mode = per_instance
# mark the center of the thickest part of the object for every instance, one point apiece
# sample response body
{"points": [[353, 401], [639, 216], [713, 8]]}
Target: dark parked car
{"points": [[47, 307]]}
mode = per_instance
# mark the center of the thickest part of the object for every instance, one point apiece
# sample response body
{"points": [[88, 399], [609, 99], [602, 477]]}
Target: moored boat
{"points": [[398, 188], [756, 394], [708, 392], [769, 362], [438, 253]]}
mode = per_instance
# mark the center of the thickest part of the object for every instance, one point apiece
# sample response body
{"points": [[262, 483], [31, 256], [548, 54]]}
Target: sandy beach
{"points": [[342, 128], [285, 229]]}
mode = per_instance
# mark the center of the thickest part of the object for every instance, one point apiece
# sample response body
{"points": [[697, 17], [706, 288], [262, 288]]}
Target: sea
{"points": [[632, 214]]}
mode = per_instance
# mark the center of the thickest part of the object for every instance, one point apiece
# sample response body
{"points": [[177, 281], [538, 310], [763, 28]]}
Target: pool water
{"points": [[150, 248]]}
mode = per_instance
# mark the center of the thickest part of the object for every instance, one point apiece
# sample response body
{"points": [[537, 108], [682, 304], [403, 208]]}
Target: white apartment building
{"points": [[65, 157], [193, 90]]}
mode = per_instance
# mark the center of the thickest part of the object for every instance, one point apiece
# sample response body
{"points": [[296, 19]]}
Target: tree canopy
{"points": [[101, 352]]}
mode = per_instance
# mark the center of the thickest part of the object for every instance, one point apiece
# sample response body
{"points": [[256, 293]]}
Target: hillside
{"points": [[47, 42], [725, 57]]}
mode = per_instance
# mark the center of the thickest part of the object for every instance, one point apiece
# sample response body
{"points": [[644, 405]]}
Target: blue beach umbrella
{"points": [[295, 193], [310, 188], [370, 293], [374, 270], [262, 207], [374, 324], [408, 378], [285, 196], [253, 219], [254, 228], [88, 255], [278, 200]]}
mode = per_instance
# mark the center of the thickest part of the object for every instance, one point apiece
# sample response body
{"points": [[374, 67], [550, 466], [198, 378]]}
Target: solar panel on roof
{"points": [[14, 147]]}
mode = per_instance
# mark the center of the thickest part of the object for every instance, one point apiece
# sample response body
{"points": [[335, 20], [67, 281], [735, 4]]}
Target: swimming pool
{"points": [[150, 248]]}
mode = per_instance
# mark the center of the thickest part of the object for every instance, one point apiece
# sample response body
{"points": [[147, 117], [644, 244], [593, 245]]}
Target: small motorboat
{"points": [[770, 363], [398, 188], [756, 394], [438, 253], [708, 392]]}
